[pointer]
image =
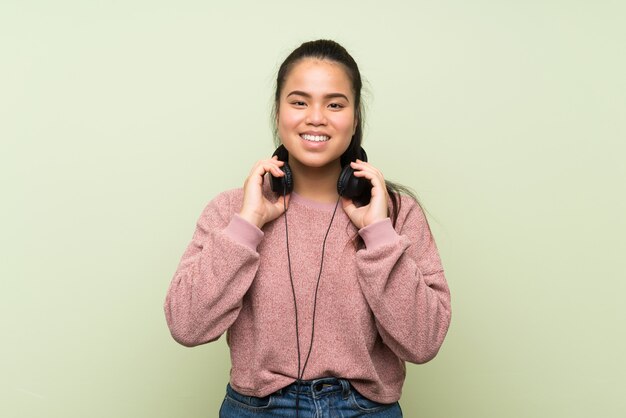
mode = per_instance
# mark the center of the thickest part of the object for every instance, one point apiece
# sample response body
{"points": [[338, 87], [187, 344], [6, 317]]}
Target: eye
{"points": [[336, 106], [298, 103]]}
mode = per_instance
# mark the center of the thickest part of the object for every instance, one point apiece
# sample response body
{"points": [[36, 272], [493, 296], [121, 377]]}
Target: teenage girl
{"points": [[324, 275]]}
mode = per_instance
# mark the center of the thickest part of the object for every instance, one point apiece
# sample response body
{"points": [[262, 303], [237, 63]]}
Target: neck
{"points": [[316, 183]]}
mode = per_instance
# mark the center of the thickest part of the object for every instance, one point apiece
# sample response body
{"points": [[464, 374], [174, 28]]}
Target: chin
{"points": [[314, 159]]}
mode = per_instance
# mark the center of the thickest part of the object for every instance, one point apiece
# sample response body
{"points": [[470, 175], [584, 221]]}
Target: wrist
{"points": [[252, 218], [378, 234], [244, 232]]}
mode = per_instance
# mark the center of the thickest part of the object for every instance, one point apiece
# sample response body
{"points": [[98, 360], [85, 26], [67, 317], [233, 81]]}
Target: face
{"points": [[316, 114]]}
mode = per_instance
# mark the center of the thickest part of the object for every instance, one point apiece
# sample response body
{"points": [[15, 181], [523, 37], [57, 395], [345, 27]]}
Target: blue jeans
{"points": [[319, 398]]}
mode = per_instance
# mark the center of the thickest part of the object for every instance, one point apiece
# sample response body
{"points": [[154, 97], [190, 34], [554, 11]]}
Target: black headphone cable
{"points": [[293, 290]]}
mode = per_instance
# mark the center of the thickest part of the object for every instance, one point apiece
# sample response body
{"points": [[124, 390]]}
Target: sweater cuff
{"points": [[378, 234], [244, 232]]}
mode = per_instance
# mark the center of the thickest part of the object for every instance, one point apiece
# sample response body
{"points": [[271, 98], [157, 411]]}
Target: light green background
{"points": [[120, 120]]}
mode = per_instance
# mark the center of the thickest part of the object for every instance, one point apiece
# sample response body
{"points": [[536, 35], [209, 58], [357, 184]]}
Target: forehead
{"points": [[318, 76]]}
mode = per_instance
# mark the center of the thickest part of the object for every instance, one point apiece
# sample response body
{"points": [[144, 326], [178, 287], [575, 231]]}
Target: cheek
{"points": [[346, 125], [287, 120], [288, 125]]}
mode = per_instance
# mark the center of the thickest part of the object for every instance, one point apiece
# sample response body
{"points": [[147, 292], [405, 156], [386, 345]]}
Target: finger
{"points": [[365, 166], [280, 206], [276, 164], [379, 186], [277, 172], [364, 163], [373, 177], [271, 161], [275, 160], [348, 205], [281, 203], [264, 167]]}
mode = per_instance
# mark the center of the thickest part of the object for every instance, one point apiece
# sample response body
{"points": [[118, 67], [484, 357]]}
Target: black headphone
{"points": [[348, 185]]}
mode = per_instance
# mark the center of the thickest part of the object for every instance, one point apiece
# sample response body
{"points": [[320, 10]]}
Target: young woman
{"points": [[322, 303]]}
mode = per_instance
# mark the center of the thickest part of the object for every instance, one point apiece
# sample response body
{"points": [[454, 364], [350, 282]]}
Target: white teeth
{"points": [[315, 138]]}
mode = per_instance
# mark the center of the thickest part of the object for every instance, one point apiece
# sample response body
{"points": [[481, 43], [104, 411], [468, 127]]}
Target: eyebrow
{"points": [[328, 96]]}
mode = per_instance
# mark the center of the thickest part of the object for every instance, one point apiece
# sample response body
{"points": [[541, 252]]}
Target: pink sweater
{"points": [[376, 307]]}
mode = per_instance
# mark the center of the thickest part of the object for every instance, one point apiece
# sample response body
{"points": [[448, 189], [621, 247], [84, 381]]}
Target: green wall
{"points": [[120, 120]]}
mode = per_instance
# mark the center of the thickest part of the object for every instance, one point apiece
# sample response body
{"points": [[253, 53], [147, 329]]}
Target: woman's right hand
{"points": [[256, 209]]}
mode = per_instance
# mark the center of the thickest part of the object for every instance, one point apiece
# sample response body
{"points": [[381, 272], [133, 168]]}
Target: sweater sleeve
{"points": [[402, 278], [205, 295]]}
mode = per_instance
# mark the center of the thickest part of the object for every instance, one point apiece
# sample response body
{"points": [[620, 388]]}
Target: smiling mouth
{"points": [[315, 138]]}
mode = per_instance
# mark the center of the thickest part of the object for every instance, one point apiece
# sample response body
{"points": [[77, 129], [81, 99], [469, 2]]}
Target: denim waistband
{"points": [[318, 387]]}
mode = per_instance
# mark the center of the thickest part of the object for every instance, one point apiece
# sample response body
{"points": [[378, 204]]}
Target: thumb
{"points": [[348, 205], [281, 203]]}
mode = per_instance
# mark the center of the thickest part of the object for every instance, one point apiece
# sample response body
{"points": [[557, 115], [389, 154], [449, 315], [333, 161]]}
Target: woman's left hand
{"points": [[378, 207]]}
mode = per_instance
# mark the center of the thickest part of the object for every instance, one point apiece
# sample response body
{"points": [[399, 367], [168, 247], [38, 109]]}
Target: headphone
{"points": [[348, 185]]}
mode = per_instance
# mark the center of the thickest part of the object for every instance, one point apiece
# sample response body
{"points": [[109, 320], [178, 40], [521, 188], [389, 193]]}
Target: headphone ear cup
{"points": [[283, 184], [349, 185]]}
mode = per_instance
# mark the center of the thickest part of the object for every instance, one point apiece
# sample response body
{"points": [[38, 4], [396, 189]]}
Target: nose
{"points": [[315, 116]]}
